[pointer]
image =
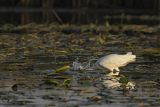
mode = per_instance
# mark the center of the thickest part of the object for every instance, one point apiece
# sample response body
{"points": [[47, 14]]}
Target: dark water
{"points": [[26, 59], [79, 18]]}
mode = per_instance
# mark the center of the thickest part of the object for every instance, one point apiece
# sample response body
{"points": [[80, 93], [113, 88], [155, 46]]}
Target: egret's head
{"points": [[131, 57]]}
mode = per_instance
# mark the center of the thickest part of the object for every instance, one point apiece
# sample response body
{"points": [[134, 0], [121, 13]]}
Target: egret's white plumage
{"points": [[115, 61]]}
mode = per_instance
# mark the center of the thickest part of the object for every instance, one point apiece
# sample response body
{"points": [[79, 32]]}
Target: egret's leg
{"points": [[113, 73], [117, 73]]}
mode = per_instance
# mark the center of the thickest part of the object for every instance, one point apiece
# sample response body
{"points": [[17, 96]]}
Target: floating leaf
{"points": [[67, 82], [51, 82], [60, 70], [61, 52], [123, 79]]}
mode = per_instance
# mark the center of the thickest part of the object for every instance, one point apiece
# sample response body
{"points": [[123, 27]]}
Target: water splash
{"points": [[90, 65]]}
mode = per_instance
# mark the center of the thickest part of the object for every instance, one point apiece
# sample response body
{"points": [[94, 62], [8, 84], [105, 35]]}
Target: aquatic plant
{"points": [[60, 70]]}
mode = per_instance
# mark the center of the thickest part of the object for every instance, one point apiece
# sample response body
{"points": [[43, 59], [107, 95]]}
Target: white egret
{"points": [[113, 62]]}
